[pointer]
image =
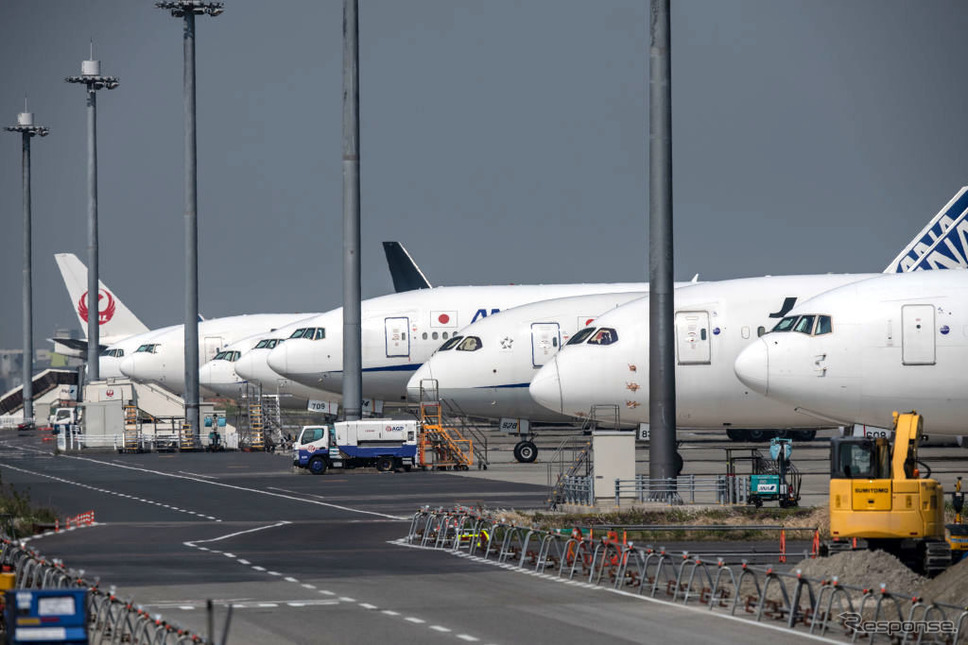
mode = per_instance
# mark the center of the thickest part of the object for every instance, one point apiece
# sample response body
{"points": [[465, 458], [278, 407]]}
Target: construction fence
{"points": [[822, 608]]}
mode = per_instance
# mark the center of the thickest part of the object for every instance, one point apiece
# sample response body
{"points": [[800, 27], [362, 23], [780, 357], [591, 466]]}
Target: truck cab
{"points": [[387, 444]]}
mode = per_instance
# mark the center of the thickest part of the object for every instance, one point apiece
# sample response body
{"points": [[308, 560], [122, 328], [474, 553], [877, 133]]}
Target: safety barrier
{"points": [[83, 519], [111, 619], [686, 489], [759, 593]]}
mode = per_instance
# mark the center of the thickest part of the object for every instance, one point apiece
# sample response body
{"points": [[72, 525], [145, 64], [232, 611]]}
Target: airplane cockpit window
{"points": [[298, 333], [272, 342], [320, 333], [148, 348], [114, 353], [824, 325], [262, 344], [604, 336], [581, 336], [230, 356], [469, 344], [786, 324], [450, 343], [804, 325]]}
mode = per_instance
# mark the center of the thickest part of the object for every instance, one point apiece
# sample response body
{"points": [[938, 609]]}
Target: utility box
{"points": [[46, 616], [614, 458], [103, 423]]}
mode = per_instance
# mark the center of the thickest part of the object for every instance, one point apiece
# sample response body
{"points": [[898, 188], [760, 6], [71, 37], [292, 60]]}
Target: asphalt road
{"points": [[309, 559]]}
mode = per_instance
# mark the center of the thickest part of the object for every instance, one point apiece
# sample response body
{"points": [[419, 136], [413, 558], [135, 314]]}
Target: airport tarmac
{"points": [[309, 559]]}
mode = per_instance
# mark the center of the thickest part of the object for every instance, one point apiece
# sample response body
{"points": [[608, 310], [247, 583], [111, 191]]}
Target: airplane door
{"points": [[211, 346], [398, 337], [917, 335], [692, 337], [545, 340]]}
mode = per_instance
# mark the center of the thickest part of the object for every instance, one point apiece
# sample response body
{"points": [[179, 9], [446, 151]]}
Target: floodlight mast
{"points": [[25, 126], [187, 10], [92, 79]]}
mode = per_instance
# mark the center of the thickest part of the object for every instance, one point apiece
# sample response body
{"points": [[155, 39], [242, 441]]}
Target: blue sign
{"points": [[46, 615]]}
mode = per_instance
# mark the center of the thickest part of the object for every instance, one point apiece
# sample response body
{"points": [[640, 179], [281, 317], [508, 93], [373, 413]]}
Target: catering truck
{"points": [[388, 444]]}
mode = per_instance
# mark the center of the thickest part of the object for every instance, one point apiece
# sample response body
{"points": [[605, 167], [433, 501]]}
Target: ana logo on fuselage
{"points": [[482, 313]]}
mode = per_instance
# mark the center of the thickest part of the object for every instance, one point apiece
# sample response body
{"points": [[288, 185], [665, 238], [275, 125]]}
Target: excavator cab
{"points": [[878, 495]]}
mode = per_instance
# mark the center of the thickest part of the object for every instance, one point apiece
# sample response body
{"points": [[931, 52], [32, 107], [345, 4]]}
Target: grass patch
{"points": [[18, 516]]}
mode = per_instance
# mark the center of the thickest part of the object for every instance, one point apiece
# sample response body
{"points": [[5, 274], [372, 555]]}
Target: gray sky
{"points": [[502, 142]]}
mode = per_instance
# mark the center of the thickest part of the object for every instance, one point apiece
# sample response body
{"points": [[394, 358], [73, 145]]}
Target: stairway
{"points": [[440, 446], [131, 440]]}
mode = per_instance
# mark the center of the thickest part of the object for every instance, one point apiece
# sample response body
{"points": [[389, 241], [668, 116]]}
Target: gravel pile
{"points": [[868, 569], [951, 587]]}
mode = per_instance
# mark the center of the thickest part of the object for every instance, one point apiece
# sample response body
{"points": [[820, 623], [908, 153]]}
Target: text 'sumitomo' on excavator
{"points": [[878, 494]]}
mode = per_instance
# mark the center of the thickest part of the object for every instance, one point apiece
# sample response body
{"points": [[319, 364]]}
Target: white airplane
{"points": [[244, 363], [608, 363], [858, 353], [115, 320], [400, 331], [156, 360], [492, 381]]}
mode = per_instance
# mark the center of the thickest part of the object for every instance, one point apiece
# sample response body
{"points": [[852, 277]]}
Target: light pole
{"points": [[188, 9], [25, 126], [92, 79]]}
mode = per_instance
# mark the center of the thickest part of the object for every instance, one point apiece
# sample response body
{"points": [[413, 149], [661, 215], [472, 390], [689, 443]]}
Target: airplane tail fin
{"points": [[942, 244], [115, 318], [406, 275]]}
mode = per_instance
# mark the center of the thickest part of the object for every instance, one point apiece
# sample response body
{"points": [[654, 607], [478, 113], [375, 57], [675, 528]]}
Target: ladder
{"points": [[271, 415], [130, 442], [256, 427], [187, 439], [440, 446], [580, 463]]}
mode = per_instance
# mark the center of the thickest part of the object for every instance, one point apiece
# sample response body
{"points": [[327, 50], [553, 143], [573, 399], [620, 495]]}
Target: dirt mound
{"points": [[867, 569], [951, 587]]}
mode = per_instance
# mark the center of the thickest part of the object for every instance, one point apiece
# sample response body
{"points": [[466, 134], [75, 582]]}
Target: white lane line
{"points": [[241, 561], [346, 599], [267, 604], [415, 621], [257, 491], [366, 605], [326, 593], [232, 535], [308, 586], [438, 628], [390, 612], [258, 568], [290, 579], [99, 490], [186, 607], [273, 573], [468, 638]]}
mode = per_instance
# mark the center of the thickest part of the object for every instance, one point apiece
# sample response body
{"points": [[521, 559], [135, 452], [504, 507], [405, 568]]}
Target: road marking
{"points": [[241, 561], [415, 621], [309, 586], [366, 605], [258, 568], [346, 599], [237, 533], [438, 628], [390, 612], [468, 638], [273, 573], [256, 491], [290, 579]]}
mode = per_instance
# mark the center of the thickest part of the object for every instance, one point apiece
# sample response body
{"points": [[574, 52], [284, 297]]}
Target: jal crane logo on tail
{"points": [[105, 305]]}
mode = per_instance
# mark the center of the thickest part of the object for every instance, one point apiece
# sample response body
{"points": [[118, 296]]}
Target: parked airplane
{"points": [[858, 353], [400, 331], [244, 364], [156, 344], [115, 320], [713, 323], [492, 381]]}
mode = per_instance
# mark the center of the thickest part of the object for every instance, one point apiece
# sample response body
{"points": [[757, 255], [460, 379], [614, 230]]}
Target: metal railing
{"points": [[686, 489], [111, 619], [823, 608]]}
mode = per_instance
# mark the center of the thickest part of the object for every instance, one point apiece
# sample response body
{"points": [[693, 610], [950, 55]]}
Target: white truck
{"points": [[388, 444]]}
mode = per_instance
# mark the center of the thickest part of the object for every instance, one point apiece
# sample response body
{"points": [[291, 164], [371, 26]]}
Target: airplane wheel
{"points": [[805, 435], [317, 465], [527, 452], [384, 464], [517, 451], [757, 435], [735, 434]]}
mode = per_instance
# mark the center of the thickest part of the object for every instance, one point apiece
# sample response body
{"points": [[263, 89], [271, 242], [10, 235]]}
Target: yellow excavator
{"points": [[878, 494]]}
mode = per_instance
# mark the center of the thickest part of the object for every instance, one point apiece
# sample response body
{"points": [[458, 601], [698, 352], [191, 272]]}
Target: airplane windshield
{"points": [[824, 325], [450, 343], [786, 324], [115, 353], [228, 356], [148, 348], [604, 336], [320, 333], [804, 325], [581, 336], [298, 333], [469, 344]]}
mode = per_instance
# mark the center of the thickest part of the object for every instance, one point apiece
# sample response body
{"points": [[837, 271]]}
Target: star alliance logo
{"points": [[506, 342]]}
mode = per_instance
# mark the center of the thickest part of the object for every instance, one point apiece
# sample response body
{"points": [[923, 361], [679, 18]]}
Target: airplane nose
{"points": [[206, 374], [545, 387], [246, 365], [278, 359], [424, 373], [127, 366], [752, 367]]}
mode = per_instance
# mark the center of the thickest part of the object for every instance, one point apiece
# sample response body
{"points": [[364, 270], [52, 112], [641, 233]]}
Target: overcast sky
{"points": [[502, 142]]}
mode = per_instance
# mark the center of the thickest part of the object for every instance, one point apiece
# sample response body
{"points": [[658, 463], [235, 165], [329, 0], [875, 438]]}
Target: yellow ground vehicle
{"points": [[877, 494], [958, 532]]}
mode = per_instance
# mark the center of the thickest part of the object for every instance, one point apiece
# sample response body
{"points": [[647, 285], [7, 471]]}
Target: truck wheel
{"points": [[735, 434], [527, 452], [805, 435], [317, 465], [384, 464]]}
